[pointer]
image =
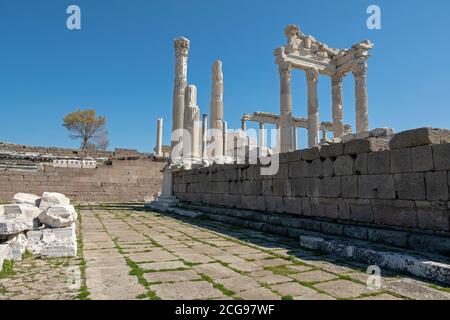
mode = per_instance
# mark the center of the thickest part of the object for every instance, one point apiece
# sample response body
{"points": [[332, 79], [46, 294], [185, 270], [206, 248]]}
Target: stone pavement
{"points": [[128, 253]]}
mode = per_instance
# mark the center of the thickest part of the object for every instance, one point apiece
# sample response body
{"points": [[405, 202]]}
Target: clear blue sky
{"points": [[121, 62]]}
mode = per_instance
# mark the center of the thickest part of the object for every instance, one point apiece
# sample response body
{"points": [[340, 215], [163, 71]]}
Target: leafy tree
{"points": [[85, 125]]}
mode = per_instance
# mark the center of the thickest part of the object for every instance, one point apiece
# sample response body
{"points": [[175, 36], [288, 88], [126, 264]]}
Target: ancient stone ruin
{"points": [[372, 196], [44, 226]]}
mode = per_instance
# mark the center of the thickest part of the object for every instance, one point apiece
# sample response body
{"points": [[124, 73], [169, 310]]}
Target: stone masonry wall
{"points": [[123, 180], [362, 181]]}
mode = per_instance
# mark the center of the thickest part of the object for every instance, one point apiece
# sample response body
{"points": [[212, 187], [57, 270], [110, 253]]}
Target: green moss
{"points": [[288, 297], [8, 269], [84, 291], [218, 286]]}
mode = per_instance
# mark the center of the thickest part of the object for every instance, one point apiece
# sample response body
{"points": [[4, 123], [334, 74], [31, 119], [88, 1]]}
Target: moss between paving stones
{"points": [[84, 291]]}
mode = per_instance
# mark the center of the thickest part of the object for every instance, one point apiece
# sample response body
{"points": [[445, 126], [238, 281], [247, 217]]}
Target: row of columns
{"points": [[361, 106]]}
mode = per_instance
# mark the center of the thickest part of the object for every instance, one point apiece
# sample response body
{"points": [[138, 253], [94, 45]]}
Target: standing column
{"points": [[362, 113], [312, 76], [216, 108], [181, 57], [337, 109], [261, 135], [225, 139], [294, 138], [278, 146], [159, 130], [204, 135], [244, 125], [191, 118], [284, 69]]}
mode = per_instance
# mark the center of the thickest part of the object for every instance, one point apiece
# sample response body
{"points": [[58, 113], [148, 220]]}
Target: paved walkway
{"points": [[129, 253]]}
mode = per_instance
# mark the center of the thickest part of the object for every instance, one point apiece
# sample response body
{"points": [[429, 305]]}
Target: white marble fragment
{"points": [[26, 198], [58, 216], [52, 199], [61, 242]]}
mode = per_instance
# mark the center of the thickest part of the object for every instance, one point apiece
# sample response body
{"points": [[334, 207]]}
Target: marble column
{"points": [[278, 146], [312, 76], [294, 138], [285, 107], [261, 135], [191, 120], [337, 108], [216, 107], [225, 139], [204, 135], [159, 131], [181, 58], [243, 125], [362, 113]]}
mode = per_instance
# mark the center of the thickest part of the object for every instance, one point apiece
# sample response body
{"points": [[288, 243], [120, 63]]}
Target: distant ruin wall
{"points": [[357, 182], [122, 180]]}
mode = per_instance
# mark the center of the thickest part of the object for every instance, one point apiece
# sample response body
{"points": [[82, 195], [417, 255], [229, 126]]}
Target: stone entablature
{"points": [[305, 53], [403, 183]]}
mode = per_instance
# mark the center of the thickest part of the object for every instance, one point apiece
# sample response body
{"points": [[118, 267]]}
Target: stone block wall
{"points": [[361, 181], [123, 180]]}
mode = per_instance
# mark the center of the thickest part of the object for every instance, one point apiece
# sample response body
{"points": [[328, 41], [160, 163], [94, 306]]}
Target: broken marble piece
{"points": [[53, 199], [26, 198], [17, 246], [61, 242], [58, 216]]}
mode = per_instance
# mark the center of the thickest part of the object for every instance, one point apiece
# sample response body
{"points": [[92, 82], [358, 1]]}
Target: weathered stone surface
{"points": [[378, 162], [365, 145], [58, 216], [343, 165], [441, 156], [437, 186], [26, 198], [311, 154], [419, 137], [400, 160], [17, 246], [313, 243], [330, 187], [21, 211], [11, 226], [378, 186], [422, 158], [53, 199], [360, 164], [349, 186], [4, 253], [400, 213], [60, 242], [410, 186], [332, 150]]}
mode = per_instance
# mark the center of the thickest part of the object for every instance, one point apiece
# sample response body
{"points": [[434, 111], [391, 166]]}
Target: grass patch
{"points": [[282, 271], [84, 291], [218, 286], [288, 297], [439, 288], [8, 269]]}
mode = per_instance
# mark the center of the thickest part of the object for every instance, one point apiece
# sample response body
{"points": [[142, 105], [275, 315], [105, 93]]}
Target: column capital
{"points": [[336, 79], [312, 74], [360, 70], [181, 46], [285, 68]]}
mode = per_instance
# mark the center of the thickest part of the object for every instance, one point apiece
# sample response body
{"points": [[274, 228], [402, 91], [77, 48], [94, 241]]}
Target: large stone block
{"points": [[324, 208], [378, 162], [422, 158], [298, 187], [313, 187], [17, 246], [298, 169], [361, 210], [400, 213], [330, 187], [311, 154], [249, 202], [349, 186], [358, 146], [26, 198], [360, 165], [419, 137], [378, 186], [293, 205], [315, 168], [343, 165], [294, 156], [21, 211], [441, 156], [400, 160], [332, 150], [12, 226], [266, 187], [53, 198], [388, 237], [61, 242], [433, 215], [327, 167], [437, 186], [410, 186], [278, 188], [58, 216]]}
